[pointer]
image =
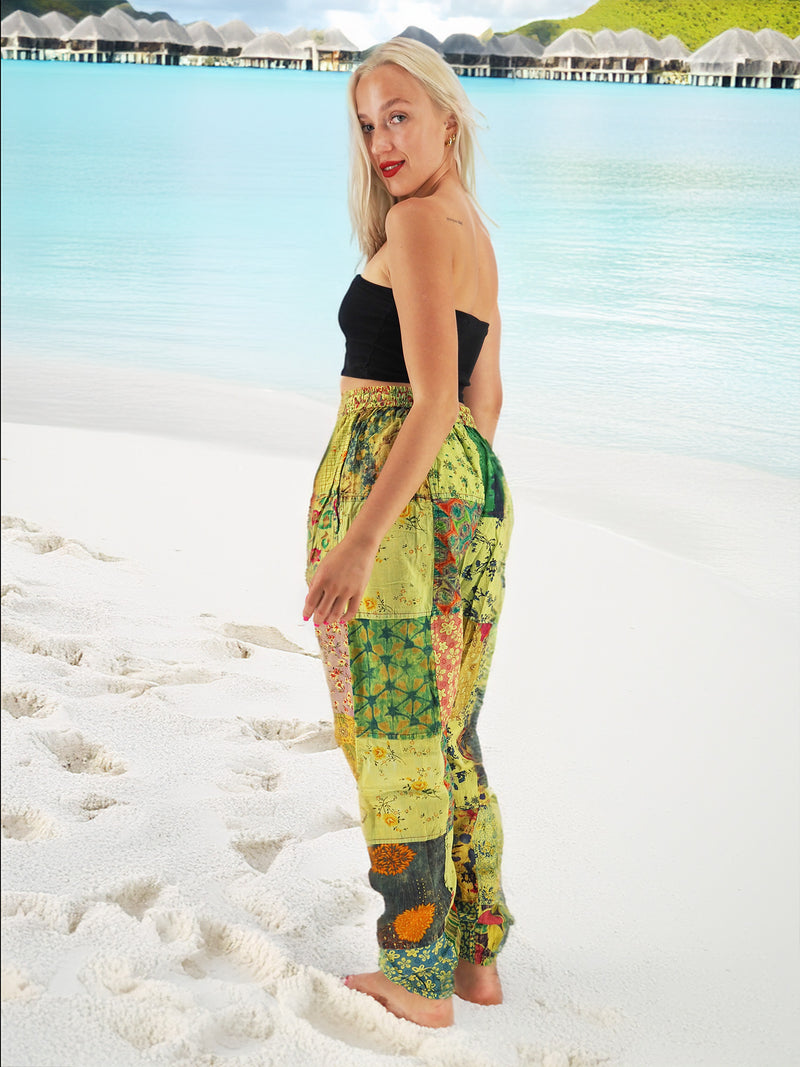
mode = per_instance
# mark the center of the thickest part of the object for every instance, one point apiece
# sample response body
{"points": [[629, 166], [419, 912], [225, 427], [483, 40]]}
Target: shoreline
{"points": [[737, 521]]}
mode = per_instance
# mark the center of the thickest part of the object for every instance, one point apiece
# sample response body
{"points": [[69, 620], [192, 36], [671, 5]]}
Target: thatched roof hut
{"points": [[298, 36], [636, 44], [462, 44], [414, 33], [144, 27], [572, 55], [778, 46], [572, 44], [672, 49], [605, 44], [122, 23], [236, 34], [517, 45], [271, 48], [21, 26], [784, 55], [466, 54], [58, 23], [205, 38], [92, 33], [734, 54], [171, 35], [335, 41], [267, 45], [335, 52], [511, 56]]}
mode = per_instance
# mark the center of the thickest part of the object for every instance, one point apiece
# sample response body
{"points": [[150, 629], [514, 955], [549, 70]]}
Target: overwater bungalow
{"points": [[784, 54], [641, 54], [513, 56], [335, 52], [673, 52], [571, 56], [466, 55], [23, 35], [274, 51], [58, 23], [172, 41], [236, 34], [206, 41], [128, 40], [95, 40], [733, 58], [607, 48]]}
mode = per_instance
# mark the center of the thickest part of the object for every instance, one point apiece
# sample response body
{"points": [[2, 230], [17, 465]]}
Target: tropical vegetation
{"points": [[693, 21], [76, 9]]}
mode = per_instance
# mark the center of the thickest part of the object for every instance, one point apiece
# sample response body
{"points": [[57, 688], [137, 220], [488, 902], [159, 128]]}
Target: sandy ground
{"points": [[183, 872]]}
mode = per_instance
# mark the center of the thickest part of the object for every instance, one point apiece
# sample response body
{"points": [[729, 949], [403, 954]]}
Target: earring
{"points": [[451, 140]]}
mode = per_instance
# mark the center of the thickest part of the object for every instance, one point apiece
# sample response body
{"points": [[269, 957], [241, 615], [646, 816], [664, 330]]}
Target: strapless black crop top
{"points": [[373, 346]]}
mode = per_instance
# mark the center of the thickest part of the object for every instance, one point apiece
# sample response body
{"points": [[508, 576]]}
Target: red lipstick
{"points": [[390, 168]]}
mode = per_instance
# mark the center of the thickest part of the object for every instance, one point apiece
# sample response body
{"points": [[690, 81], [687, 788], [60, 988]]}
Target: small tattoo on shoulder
{"points": [[449, 219]]}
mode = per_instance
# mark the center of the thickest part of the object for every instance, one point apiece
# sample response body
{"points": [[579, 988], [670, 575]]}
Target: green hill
{"points": [[694, 21], [76, 9]]}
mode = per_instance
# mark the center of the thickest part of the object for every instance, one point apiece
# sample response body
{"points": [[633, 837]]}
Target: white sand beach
{"points": [[184, 875]]}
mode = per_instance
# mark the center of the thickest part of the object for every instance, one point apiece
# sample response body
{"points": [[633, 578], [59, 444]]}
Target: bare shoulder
{"points": [[412, 217]]}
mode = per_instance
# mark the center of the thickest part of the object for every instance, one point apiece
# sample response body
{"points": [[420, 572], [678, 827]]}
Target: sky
{"points": [[367, 21]]}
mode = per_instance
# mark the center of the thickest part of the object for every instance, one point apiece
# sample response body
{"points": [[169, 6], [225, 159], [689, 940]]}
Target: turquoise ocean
{"points": [[194, 220]]}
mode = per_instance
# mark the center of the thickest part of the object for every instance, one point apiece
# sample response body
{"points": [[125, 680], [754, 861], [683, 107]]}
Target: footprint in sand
{"points": [[174, 925], [33, 703], [93, 804], [332, 822], [143, 1011], [137, 676], [135, 897], [79, 756], [16, 985], [264, 637], [11, 591], [42, 541], [56, 913], [24, 823], [237, 954], [260, 852], [296, 734], [247, 779], [39, 642]]}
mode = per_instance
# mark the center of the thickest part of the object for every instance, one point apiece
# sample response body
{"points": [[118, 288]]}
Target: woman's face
{"points": [[404, 131]]}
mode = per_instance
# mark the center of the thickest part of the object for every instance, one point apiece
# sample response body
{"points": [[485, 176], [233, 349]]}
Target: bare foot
{"points": [[480, 985], [398, 1001]]}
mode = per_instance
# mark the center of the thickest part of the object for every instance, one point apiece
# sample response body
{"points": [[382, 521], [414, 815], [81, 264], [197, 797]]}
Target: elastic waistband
{"points": [[390, 395]]}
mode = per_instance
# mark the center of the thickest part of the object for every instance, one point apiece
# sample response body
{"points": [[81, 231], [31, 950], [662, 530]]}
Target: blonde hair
{"points": [[368, 197]]}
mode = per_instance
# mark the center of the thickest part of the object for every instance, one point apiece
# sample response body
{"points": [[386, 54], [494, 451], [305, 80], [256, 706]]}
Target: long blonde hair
{"points": [[368, 196]]}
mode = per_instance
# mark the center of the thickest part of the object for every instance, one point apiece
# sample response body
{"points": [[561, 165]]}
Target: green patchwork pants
{"points": [[407, 678]]}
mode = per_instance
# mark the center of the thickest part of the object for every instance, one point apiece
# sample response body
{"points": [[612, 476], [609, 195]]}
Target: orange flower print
{"points": [[378, 752], [419, 785], [390, 820], [369, 603], [390, 859], [412, 924]]}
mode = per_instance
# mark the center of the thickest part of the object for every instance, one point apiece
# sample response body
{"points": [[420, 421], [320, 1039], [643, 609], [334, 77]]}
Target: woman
{"points": [[408, 532]]}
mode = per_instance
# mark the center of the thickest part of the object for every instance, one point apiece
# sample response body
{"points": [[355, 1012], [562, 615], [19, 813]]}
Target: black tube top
{"points": [[373, 345]]}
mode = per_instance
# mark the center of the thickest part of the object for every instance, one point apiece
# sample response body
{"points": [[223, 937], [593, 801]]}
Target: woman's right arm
{"points": [[484, 395]]}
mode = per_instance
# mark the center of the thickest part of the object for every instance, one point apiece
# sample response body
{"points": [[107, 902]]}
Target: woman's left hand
{"points": [[339, 583]]}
